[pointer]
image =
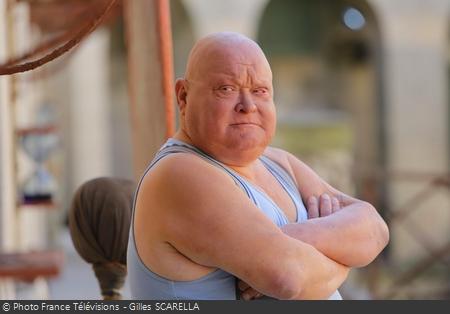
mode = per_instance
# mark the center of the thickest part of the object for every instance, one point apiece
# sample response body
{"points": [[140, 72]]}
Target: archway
{"points": [[447, 56], [326, 59], [183, 35]]}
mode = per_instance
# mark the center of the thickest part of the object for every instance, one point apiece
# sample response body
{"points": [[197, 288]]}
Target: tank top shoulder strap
{"points": [[281, 173], [174, 146], [289, 184]]}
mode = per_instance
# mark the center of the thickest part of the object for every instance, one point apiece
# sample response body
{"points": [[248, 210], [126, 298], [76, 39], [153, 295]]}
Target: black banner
{"points": [[284, 307]]}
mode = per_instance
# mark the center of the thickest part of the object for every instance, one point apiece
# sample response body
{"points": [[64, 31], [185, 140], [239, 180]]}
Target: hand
{"points": [[322, 206], [247, 292]]}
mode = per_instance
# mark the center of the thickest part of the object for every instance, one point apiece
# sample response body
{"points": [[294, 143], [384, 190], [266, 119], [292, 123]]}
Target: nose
{"points": [[246, 103]]}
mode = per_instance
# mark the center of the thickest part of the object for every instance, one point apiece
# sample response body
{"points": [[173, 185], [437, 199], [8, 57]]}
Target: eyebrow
{"points": [[255, 83], [229, 76]]}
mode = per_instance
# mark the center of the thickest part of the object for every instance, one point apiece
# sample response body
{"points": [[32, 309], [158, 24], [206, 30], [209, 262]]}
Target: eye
{"points": [[261, 91], [227, 88]]}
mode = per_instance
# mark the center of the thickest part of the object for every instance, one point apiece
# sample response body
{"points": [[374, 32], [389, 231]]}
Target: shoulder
{"points": [[281, 157], [308, 181], [184, 192], [182, 172], [294, 166], [287, 160]]}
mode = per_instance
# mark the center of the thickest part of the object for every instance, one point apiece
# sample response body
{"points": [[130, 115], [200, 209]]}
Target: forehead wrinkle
{"points": [[246, 75], [223, 53]]}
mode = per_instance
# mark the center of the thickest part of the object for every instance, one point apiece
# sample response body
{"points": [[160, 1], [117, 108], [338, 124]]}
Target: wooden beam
{"points": [[31, 265], [150, 78]]}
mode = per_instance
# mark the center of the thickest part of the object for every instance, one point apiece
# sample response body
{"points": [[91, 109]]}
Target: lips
{"points": [[245, 123]]}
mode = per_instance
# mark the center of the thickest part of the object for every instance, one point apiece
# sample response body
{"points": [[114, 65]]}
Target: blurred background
{"points": [[362, 89]]}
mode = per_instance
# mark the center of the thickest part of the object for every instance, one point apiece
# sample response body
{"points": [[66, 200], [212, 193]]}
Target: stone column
{"points": [[7, 164], [232, 15], [89, 111], [414, 35]]}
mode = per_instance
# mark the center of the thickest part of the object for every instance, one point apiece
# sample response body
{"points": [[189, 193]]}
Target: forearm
{"points": [[304, 272], [300, 272], [323, 276], [353, 236]]}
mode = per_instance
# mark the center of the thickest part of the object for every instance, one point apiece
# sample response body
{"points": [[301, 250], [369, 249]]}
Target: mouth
{"points": [[245, 124]]}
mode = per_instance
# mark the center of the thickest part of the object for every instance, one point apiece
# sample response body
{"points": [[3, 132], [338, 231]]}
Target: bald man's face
{"points": [[228, 108]]}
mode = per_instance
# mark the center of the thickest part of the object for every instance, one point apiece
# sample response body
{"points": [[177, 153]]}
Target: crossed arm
{"points": [[346, 230]]}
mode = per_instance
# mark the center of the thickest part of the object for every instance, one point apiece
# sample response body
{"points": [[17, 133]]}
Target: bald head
{"points": [[223, 47], [226, 99]]}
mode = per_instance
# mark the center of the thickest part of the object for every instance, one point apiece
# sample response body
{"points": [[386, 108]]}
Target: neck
{"points": [[183, 136], [246, 169]]}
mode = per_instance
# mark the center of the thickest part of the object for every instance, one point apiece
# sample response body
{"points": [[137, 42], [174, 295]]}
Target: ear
{"points": [[181, 93]]}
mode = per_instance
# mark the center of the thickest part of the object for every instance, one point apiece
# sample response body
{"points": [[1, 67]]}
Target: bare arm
{"points": [[208, 219], [353, 236]]}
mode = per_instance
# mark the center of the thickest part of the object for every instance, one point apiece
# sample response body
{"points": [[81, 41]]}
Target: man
{"points": [[218, 204]]}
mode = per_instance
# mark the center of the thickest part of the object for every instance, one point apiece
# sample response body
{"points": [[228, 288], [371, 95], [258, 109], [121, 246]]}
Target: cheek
{"points": [[270, 118], [218, 113], [206, 121], [272, 125]]}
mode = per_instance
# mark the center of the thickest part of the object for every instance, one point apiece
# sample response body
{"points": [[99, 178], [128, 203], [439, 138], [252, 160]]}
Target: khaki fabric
{"points": [[99, 222]]}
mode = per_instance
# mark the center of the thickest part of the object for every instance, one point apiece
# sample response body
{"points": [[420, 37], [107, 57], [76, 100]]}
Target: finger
{"points": [[249, 294], [259, 295], [335, 204], [313, 207], [325, 205], [242, 285]]}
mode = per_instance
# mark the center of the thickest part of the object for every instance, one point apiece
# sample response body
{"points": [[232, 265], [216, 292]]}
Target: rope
{"points": [[8, 69]]}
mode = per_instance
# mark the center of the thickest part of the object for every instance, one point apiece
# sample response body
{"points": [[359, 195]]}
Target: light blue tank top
{"points": [[217, 285]]}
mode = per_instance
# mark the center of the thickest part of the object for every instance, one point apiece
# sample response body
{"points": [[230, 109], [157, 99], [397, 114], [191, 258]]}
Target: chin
{"points": [[244, 141], [246, 149], [236, 149]]}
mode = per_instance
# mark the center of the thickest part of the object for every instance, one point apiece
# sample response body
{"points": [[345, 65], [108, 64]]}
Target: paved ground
{"points": [[77, 280]]}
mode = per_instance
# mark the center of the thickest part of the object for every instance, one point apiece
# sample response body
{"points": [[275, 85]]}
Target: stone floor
{"points": [[77, 280]]}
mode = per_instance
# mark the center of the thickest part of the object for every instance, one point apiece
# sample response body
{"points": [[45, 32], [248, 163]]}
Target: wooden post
{"points": [[7, 154], [150, 77], [7, 140]]}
